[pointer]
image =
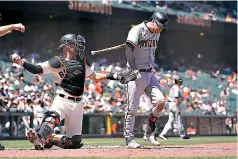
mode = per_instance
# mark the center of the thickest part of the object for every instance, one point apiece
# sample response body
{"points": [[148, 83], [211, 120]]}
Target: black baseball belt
{"points": [[146, 70], [70, 98]]}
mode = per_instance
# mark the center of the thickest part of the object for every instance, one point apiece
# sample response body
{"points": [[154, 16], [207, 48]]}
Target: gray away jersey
{"points": [[175, 92], [144, 52]]}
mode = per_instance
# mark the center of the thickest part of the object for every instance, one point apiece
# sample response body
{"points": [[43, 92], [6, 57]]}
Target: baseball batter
{"points": [[7, 29], [175, 99], [68, 72], [141, 45]]}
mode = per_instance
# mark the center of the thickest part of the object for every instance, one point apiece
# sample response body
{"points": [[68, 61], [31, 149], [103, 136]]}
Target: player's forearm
{"points": [[100, 76], [130, 55], [5, 29], [103, 76], [35, 69]]}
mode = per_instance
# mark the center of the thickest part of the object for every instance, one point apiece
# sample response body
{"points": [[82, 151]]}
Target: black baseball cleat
{"points": [[185, 137], [48, 145], [80, 145], [2, 147]]}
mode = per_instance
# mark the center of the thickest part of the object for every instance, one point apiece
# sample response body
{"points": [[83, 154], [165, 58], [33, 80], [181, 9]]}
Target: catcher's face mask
{"points": [[78, 41]]}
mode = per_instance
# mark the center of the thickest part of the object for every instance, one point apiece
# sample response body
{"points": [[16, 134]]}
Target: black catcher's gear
{"points": [[50, 121], [78, 40], [74, 76], [65, 142], [160, 18]]}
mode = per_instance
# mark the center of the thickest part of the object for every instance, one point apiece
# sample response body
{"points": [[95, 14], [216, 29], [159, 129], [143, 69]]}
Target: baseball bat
{"points": [[108, 49]]}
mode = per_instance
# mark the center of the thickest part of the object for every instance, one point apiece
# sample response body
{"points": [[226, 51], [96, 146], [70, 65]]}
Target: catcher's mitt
{"points": [[127, 76]]}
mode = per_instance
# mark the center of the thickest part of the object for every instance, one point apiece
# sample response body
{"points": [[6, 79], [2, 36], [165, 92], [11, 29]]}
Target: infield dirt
{"points": [[198, 150]]}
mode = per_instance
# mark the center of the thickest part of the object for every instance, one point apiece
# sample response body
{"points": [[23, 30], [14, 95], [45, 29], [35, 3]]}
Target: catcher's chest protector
{"points": [[73, 81]]}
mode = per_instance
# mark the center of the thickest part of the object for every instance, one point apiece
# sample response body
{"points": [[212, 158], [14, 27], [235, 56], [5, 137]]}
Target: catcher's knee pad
{"points": [[52, 117], [76, 141], [50, 121]]}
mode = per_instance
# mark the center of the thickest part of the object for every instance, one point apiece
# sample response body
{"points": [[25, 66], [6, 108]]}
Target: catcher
{"points": [[68, 72], [7, 29]]}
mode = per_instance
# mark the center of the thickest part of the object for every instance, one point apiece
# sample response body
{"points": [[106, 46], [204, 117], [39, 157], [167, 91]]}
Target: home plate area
{"points": [[198, 150]]}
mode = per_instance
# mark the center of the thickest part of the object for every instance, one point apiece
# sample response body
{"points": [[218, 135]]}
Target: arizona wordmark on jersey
{"points": [[145, 43]]}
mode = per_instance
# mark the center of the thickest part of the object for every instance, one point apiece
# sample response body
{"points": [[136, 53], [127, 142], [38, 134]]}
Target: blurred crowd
{"points": [[110, 96], [210, 10], [202, 100], [17, 95]]}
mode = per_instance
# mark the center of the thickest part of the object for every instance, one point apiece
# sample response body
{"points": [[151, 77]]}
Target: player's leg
{"points": [[168, 125], [73, 124], [181, 131], [134, 91], [157, 98], [51, 120]]}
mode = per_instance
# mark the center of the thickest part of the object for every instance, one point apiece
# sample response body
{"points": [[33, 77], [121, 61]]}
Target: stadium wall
{"points": [[100, 125]]}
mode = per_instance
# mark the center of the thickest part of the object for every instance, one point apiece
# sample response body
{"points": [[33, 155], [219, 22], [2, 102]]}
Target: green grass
{"points": [[121, 141], [135, 158]]}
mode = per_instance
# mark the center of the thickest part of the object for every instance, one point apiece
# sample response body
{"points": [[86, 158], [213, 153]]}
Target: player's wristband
{"points": [[112, 76]]}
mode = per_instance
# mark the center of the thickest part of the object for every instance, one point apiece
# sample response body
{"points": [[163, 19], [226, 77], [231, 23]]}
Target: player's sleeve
{"points": [[51, 66], [176, 92], [88, 70], [133, 36], [46, 67]]}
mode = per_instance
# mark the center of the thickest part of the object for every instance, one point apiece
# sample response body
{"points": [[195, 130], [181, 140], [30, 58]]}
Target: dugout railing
{"points": [[204, 124], [13, 125]]}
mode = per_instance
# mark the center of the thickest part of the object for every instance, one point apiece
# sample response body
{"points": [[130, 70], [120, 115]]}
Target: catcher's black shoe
{"points": [[185, 137], [48, 145], [2, 147]]}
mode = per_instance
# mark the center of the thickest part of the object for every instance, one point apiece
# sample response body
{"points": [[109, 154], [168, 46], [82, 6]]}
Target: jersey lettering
{"points": [[61, 73], [149, 43]]}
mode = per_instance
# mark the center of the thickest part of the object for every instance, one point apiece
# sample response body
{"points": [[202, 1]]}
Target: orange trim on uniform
{"points": [[131, 42], [85, 64], [55, 139], [63, 66]]}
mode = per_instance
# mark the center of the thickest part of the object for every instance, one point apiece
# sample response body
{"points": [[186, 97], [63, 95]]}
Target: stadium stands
{"points": [[203, 94], [218, 11]]}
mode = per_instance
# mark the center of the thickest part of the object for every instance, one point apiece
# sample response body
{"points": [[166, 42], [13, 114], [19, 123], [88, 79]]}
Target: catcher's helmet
{"points": [[78, 40], [178, 79], [160, 18]]}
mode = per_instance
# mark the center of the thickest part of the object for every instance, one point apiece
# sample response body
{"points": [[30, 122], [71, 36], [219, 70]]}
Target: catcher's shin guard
{"points": [[65, 142], [50, 121], [151, 125]]}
